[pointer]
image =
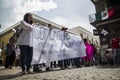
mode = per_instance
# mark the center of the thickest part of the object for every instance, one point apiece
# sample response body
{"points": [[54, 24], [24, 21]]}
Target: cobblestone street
{"points": [[84, 73]]}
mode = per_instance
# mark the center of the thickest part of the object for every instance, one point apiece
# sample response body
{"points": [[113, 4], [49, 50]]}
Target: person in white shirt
{"points": [[25, 43]]}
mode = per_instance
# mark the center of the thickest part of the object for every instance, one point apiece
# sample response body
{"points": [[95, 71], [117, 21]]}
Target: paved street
{"points": [[84, 73]]}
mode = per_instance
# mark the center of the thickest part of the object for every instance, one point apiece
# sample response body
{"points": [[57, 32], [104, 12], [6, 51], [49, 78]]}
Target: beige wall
{"points": [[86, 34], [3, 41]]}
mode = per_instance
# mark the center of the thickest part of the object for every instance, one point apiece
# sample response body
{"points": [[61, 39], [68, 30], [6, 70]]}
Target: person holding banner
{"points": [[48, 64], [25, 43], [89, 53], [63, 63]]}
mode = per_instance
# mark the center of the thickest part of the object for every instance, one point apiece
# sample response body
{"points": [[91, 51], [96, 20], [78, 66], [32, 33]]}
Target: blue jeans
{"points": [[116, 56]]}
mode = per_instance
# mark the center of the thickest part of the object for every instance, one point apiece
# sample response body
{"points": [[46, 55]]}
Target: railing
{"points": [[106, 14]]}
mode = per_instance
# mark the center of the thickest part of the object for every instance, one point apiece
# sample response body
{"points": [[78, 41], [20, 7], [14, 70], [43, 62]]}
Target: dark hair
{"points": [[91, 44], [85, 40], [26, 18]]}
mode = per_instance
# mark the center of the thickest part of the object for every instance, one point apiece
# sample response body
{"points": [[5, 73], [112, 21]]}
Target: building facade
{"points": [[107, 17], [106, 20], [88, 35]]}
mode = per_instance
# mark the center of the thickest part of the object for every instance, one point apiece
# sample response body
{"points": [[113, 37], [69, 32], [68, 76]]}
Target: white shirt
{"points": [[26, 36]]}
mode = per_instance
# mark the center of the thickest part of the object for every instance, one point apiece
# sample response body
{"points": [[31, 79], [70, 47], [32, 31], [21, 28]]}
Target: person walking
{"points": [[10, 53], [115, 44], [89, 53], [25, 43]]}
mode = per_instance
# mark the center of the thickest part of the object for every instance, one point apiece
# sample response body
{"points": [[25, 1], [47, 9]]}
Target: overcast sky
{"points": [[69, 13]]}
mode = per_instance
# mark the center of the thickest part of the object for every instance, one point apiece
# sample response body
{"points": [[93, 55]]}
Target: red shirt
{"points": [[115, 43]]}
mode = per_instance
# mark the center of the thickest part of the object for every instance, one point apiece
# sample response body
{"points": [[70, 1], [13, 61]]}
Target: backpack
{"points": [[18, 32], [8, 50]]}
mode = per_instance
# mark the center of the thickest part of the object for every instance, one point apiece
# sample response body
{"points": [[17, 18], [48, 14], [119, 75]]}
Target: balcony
{"points": [[112, 3], [105, 15]]}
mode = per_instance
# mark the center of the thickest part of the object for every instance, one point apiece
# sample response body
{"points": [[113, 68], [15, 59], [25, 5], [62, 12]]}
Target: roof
{"points": [[6, 30], [83, 29], [79, 29], [40, 19]]}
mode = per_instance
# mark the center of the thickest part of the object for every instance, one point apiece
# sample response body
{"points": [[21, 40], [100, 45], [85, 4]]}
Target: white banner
{"points": [[53, 44]]}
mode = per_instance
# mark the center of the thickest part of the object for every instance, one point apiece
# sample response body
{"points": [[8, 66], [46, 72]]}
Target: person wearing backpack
{"points": [[10, 53], [25, 43]]}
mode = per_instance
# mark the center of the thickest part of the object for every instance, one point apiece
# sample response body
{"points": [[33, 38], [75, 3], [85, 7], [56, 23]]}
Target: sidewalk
{"points": [[4, 71], [84, 73]]}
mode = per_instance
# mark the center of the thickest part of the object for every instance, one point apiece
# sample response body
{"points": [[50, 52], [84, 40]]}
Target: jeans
{"points": [[116, 56], [77, 62], [26, 54]]}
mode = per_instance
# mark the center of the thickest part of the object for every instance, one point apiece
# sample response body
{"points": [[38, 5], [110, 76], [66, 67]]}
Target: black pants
{"points": [[26, 56], [77, 62], [63, 63], [53, 64], [10, 60], [7, 61]]}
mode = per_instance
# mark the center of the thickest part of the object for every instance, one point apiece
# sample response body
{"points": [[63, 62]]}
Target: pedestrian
{"points": [[25, 43], [0, 56], [93, 53], [10, 53], [63, 63], [7, 54], [89, 53], [48, 63], [115, 44]]}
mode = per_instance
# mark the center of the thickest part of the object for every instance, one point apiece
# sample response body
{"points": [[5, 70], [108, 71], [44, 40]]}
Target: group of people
{"points": [[23, 38]]}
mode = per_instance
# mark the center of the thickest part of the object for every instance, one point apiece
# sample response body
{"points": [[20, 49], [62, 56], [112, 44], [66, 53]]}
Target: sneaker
{"points": [[66, 67], [48, 69], [29, 72], [37, 70], [62, 68], [87, 65], [10, 67], [78, 66], [23, 73]]}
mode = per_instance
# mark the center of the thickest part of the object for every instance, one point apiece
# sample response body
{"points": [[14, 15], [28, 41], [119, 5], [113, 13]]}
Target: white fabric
{"points": [[104, 14], [104, 32], [17, 50], [51, 45], [25, 37]]}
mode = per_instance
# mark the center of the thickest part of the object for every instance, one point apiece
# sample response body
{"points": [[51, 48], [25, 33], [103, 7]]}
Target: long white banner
{"points": [[53, 44]]}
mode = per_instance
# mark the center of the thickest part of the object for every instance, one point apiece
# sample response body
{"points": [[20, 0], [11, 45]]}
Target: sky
{"points": [[68, 13]]}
